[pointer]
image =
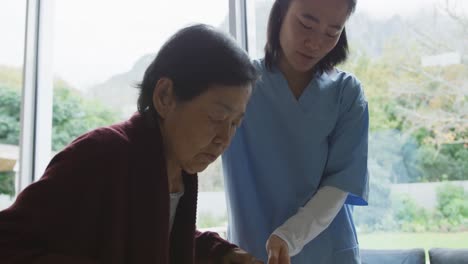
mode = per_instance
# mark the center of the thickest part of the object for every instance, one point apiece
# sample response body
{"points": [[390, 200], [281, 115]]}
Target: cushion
{"points": [[448, 256], [393, 256]]}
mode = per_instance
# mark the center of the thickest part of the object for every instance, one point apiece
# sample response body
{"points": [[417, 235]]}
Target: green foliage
{"points": [[374, 75], [452, 204], [9, 115], [439, 164], [427, 163], [399, 212], [73, 115], [409, 216], [69, 107], [7, 183], [401, 99], [426, 106]]}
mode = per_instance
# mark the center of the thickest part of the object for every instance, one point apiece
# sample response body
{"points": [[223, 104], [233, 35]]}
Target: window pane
{"points": [[262, 9], [12, 30], [412, 58], [101, 50]]}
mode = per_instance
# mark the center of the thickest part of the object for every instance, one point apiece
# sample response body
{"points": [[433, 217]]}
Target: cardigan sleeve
{"points": [[54, 258], [55, 220], [210, 247]]}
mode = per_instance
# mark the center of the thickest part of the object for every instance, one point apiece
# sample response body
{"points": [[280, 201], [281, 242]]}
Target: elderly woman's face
{"points": [[196, 132]]}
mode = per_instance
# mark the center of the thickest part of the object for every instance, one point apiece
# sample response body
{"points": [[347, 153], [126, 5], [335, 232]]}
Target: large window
{"points": [[12, 31], [412, 58], [89, 56], [101, 50]]}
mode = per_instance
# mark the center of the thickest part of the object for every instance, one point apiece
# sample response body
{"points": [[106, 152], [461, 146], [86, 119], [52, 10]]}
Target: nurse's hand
{"points": [[239, 256], [277, 249]]}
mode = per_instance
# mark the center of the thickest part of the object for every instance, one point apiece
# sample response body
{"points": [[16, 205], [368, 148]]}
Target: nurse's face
{"points": [[196, 132], [310, 30]]}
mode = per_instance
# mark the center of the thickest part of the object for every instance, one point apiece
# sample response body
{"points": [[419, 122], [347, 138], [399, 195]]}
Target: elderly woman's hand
{"points": [[277, 249], [239, 256]]}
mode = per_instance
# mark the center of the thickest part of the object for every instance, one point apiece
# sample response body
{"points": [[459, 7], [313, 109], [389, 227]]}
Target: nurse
{"points": [[298, 162]]}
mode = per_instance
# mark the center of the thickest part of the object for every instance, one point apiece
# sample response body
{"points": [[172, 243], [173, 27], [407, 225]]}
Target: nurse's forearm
{"points": [[312, 219]]}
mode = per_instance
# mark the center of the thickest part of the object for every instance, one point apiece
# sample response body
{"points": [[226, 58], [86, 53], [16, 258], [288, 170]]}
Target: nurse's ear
{"points": [[164, 100]]}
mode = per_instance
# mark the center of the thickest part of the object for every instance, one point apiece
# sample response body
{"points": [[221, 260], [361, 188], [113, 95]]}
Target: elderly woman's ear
{"points": [[163, 97]]}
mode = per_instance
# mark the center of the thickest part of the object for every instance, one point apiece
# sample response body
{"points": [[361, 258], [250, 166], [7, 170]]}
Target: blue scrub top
{"points": [[285, 150]]}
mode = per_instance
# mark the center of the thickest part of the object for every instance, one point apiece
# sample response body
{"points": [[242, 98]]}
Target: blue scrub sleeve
{"points": [[346, 167]]}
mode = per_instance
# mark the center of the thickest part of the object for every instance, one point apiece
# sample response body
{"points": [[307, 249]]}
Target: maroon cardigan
{"points": [[105, 199]]}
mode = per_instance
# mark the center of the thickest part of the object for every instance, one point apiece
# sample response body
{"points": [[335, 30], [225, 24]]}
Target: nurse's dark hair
{"points": [[195, 58], [278, 11]]}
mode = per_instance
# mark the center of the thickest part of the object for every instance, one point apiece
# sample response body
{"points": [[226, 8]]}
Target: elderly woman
{"points": [[127, 193]]}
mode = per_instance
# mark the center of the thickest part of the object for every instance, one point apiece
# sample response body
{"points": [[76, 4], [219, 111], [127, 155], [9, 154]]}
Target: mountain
{"points": [[119, 91], [435, 31]]}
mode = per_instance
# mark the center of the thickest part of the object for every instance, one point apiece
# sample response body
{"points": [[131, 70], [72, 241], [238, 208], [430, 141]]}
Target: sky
{"points": [[387, 8], [94, 40]]}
